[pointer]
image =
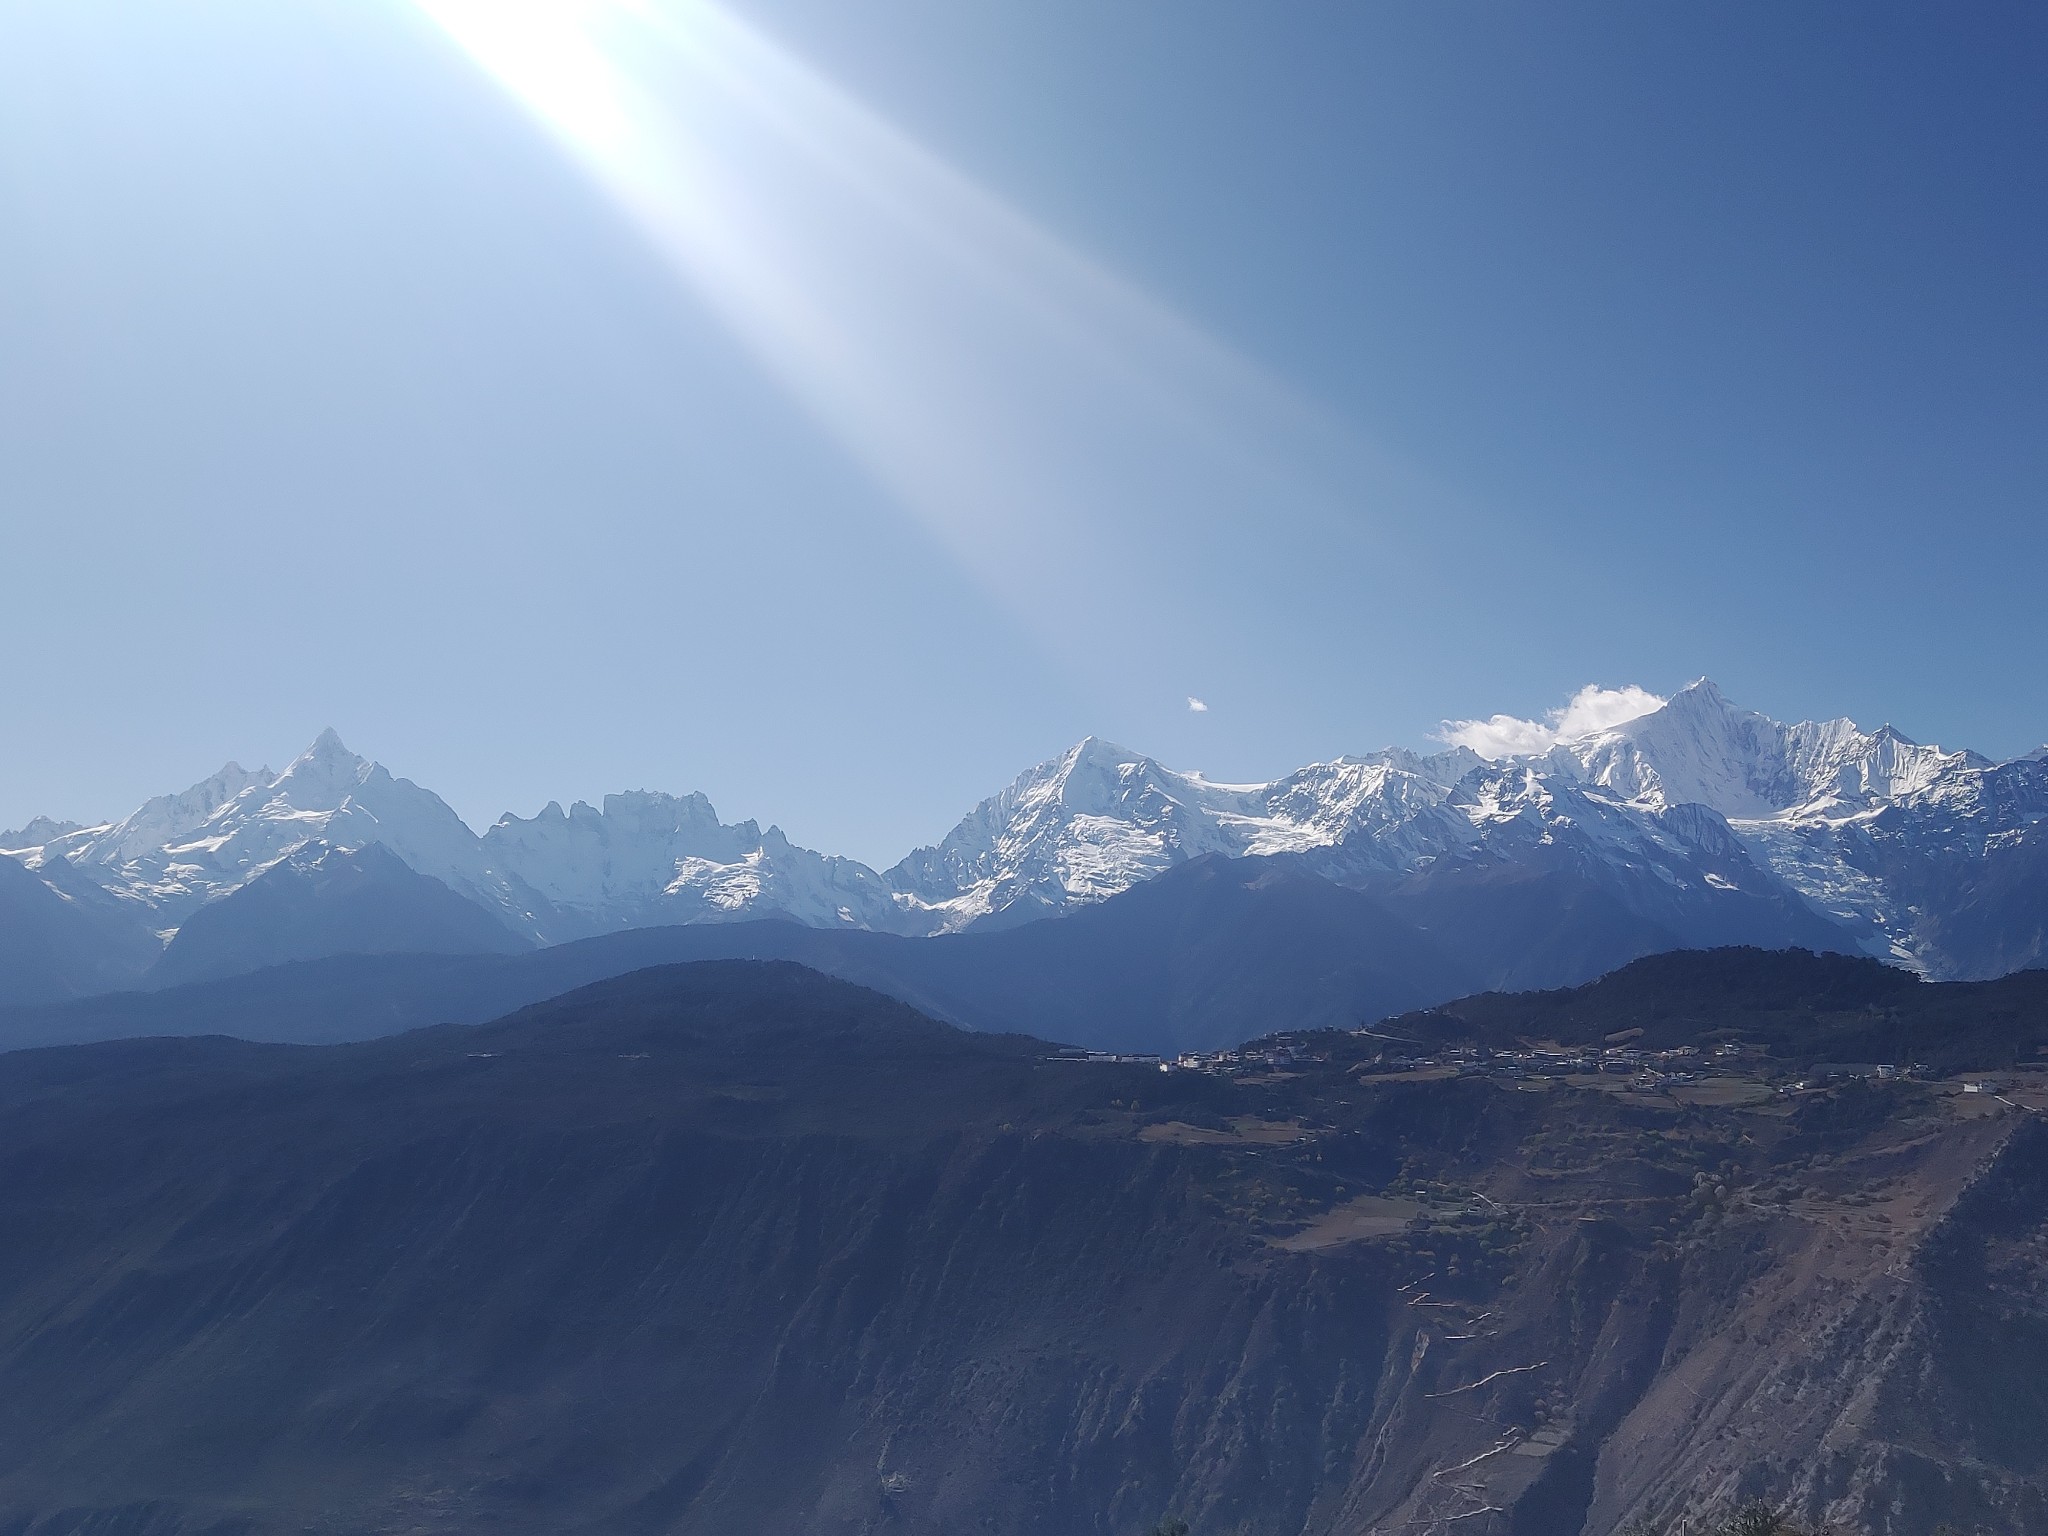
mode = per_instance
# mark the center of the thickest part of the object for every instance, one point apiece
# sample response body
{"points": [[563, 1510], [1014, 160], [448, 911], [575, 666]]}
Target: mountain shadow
{"points": [[1211, 953], [63, 937], [330, 901]]}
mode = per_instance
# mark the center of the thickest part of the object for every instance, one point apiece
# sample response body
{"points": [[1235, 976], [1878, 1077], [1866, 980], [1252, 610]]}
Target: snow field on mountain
{"points": [[1697, 798]]}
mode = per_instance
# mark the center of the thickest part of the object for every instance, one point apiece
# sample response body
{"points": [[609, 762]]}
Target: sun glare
{"points": [[545, 53], [1044, 419]]}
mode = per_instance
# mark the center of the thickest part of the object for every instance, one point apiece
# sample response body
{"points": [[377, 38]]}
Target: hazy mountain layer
{"points": [[322, 900], [1203, 957]]}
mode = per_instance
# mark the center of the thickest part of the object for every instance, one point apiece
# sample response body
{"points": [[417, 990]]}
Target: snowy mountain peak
{"points": [[1697, 749], [1701, 749], [323, 775], [1092, 765], [178, 852], [1097, 749], [1082, 825], [1100, 818], [1668, 799], [169, 820], [1702, 694], [646, 858], [36, 834]]}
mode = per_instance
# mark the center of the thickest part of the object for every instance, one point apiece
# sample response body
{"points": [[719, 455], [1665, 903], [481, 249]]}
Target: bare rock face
{"points": [[1855, 1349], [732, 1247]]}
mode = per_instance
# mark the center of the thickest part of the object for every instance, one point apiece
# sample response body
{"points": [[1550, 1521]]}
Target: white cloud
{"points": [[1196, 706], [1498, 736], [1594, 708], [1591, 709]]}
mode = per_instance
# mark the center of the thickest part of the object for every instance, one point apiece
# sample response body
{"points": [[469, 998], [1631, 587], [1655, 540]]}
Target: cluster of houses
{"points": [[1280, 1053], [1106, 1058], [1648, 1069], [1872, 1071], [1679, 1064]]}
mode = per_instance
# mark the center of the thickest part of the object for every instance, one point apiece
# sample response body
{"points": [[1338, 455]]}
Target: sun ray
{"points": [[1046, 420]]}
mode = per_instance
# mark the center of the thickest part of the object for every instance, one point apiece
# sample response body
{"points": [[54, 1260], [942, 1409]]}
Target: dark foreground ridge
{"points": [[736, 1248]]}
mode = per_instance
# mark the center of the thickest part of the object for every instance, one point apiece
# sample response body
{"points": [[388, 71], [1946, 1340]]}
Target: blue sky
{"points": [[947, 382]]}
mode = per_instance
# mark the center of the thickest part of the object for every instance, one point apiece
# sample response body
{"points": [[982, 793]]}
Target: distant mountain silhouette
{"points": [[1211, 953], [57, 942], [363, 901]]}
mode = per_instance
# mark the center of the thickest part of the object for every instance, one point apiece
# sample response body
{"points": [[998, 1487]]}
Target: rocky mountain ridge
{"points": [[1696, 816]]}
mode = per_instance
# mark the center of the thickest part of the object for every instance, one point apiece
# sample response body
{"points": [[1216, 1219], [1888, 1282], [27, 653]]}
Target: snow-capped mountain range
{"points": [[1698, 816]]}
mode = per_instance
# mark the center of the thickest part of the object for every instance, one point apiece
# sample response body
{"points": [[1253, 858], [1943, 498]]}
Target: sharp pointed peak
{"points": [[328, 749], [1701, 690], [328, 758], [1700, 697], [1100, 749]]}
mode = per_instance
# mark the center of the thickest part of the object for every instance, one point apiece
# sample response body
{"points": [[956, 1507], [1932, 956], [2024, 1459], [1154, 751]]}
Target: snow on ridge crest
{"points": [[1689, 786], [1689, 790], [1099, 819], [168, 819], [37, 832], [1701, 749], [647, 857]]}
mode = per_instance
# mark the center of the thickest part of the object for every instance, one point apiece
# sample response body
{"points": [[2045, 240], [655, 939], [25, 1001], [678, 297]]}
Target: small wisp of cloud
{"points": [[1591, 709], [1196, 706]]}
